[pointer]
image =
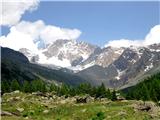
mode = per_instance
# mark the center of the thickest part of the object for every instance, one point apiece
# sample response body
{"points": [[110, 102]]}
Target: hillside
{"points": [[148, 89], [132, 66], [14, 65]]}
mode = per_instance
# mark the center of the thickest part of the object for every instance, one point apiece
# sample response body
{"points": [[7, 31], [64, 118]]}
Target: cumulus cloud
{"points": [[12, 10], [52, 33], [124, 43], [152, 37], [16, 40], [30, 34]]}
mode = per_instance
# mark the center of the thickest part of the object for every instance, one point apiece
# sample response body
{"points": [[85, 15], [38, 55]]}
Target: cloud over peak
{"points": [[31, 35], [152, 37]]}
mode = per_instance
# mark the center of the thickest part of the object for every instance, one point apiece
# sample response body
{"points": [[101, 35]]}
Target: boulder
{"points": [[81, 100], [5, 113], [20, 109], [120, 98], [144, 108], [46, 111], [39, 94], [147, 106], [16, 91]]}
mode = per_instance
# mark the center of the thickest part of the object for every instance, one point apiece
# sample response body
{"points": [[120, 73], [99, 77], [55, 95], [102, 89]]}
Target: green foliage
{"points": [[84, 88], [53, 87], [99, 116], [38, 85], [113, 96], [64, 90], [15, 85], [5, 86], [108, 93], [33, 86], [26, 86], [101, 91], [60, 90], [146, 90]]}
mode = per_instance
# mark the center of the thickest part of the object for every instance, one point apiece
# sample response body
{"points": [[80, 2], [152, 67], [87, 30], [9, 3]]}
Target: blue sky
{"points": [[100, 21]]}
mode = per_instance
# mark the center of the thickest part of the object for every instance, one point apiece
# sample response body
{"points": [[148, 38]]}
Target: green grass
{"points": [[34, 107]]}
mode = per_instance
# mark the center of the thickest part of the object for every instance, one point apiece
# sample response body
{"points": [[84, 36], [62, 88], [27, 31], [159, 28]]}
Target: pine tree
{"points": [[15, 85], [146, 90], [5, 86], [101, 91], [84, 88], [114, 97], [64, 90], [93, 91], [26, 86], [38, 85], [73, 91], [44, 87], [53, 87], [108, 94]]}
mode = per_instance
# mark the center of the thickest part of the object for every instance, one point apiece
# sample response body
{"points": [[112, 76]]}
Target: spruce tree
{"points": [[26, 86], [114, 97], [15, 85], [5, 86], [64, 90], [108, 94], [53, 87], [101, 91]]}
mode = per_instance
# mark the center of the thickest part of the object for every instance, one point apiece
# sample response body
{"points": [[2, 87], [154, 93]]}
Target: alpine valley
{"points": [[115, 67]]}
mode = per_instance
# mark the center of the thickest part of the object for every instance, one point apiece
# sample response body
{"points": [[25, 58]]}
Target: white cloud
{"points": [[152, 37], [16, 40], [124, 43], [52, 33], [28, 35], [12, 10]]}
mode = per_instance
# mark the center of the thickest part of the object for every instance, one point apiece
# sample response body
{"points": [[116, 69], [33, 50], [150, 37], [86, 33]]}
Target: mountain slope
{"points": [[148, 89], [16, 66], [132, 65], [115, 67], [63, 53]]}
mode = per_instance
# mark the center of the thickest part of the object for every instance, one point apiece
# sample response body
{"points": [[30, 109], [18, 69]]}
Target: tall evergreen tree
{"points": [[64, 90], [5, 86], [15, 85], [53, 87], [26, 86], [101, 91], [108, 93], [114, 97]]}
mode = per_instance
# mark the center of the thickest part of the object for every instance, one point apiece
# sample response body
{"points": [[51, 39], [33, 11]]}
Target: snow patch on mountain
{"points": [[80, 67], [53, 60], [148, 67]]}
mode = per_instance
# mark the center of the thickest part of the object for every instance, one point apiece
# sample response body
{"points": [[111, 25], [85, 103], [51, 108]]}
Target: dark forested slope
{"points": [[149, 89], [14, 65]]}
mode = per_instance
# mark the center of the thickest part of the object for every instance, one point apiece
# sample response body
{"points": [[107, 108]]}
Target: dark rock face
{"points": [[128, 68], [125, 60], [103, 57], [34, 59], [77, 61]]}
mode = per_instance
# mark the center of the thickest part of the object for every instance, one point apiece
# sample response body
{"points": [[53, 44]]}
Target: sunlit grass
{"points": [[35, 107]]}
